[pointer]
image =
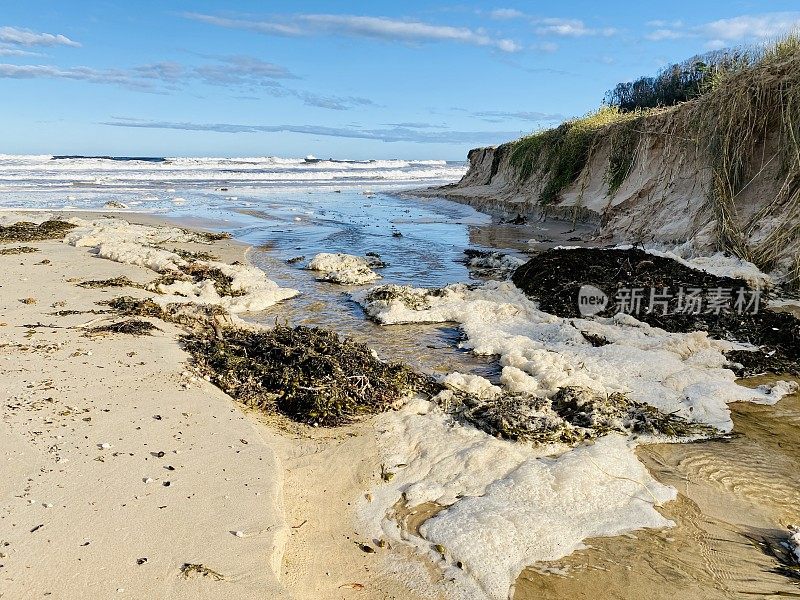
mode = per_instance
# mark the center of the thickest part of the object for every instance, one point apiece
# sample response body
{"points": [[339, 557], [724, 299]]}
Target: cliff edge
{"points": [[720, 172]]}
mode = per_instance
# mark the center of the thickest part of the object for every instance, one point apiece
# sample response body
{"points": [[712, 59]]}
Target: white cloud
{"points": [[381, 28], [392, 134], [12, 51], [665, 34], [570, 28], [548, 47], [497, 116], [26, 37], [242, 72], [725, 32], [506, 13], [764, 26]]}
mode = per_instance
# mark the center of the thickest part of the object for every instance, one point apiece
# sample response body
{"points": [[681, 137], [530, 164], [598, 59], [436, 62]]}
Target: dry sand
{"points": [[89, 505]]}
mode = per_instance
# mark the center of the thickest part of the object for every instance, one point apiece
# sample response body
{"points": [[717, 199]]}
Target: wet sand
{"points": [[736, 498]]}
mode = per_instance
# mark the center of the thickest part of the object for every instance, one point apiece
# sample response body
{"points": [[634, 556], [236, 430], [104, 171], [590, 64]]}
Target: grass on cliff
{"points": [[559, 155], [732, 123]]}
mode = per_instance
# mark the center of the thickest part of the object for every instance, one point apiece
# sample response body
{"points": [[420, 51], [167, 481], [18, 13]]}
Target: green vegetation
{"points": [[624, 144], [680, 82], [733, 123], [559, 155]]}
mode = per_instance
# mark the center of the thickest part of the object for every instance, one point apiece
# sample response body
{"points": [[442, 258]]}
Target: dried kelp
{"points": [[128, 327], [25, 231], [310, 374]]}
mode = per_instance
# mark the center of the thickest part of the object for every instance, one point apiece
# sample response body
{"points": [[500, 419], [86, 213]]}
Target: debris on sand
{"points": [[18, 250], [29, 300], [236, 287], [794, 543], [25, 231], [190, 316], [113, 282], [346, 269], [197, 272], [127, 327], [189, 570], [194, 254], [311, 375], [554, 278]]}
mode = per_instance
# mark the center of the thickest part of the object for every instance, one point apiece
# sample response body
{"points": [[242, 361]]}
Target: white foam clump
{"points": [[509, 506], [123, 242], [682, 373], [344, 269], [474, 385], [496, 261]]}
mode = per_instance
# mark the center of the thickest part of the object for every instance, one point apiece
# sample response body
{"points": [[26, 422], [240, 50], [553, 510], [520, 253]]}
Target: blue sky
{"points": [[342, 79]]}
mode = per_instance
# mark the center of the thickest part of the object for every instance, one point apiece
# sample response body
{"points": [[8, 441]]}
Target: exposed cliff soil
{"points": [[721, 172]]}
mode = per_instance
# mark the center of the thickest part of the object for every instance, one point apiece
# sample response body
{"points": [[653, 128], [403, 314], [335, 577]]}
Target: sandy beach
{"points": [[129, 474], [121, 467]]}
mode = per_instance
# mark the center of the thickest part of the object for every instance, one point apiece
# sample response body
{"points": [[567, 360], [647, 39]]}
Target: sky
{"points": [[414, 80]]}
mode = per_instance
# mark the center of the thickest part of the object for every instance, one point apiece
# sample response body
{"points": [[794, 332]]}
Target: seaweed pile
{"points": [[571, 416], [134, 327], [193, 317], [113, 282], [309, 374], [306, 373], [555, 277], [24, 231]]}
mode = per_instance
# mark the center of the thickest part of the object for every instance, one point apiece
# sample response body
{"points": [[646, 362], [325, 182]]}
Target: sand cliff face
{"points": [[665, 200]]}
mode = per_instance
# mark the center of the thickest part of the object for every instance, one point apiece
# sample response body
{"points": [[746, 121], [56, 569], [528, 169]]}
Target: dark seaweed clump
{"points": [[127, 327], [310, 374], [555, 277], [31, 232]]}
